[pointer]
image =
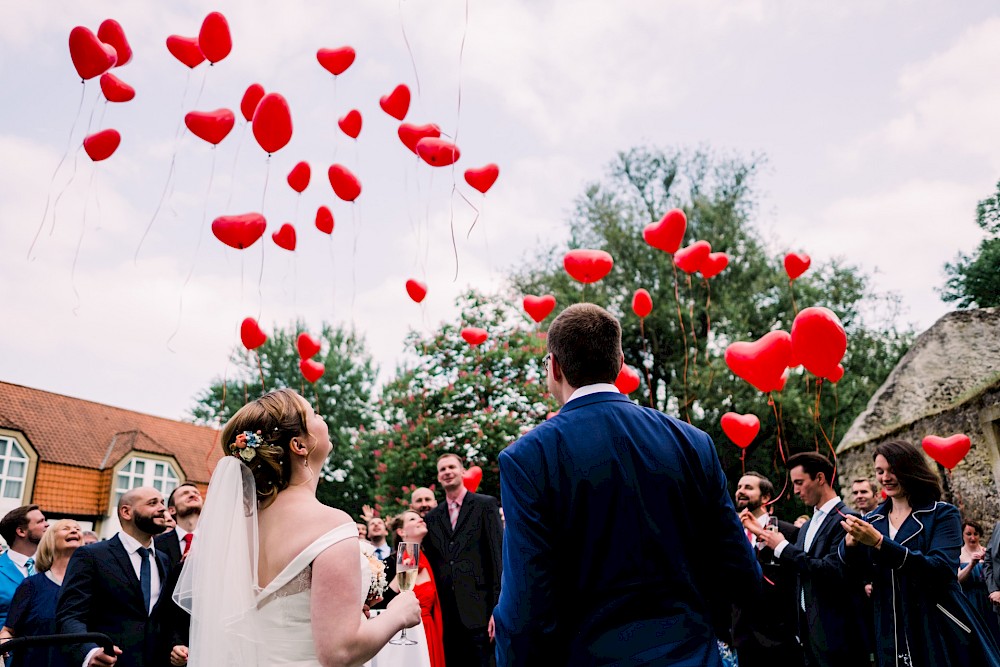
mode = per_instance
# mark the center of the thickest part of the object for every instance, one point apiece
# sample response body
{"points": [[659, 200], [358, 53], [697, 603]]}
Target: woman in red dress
{"points": [[410, 527]]}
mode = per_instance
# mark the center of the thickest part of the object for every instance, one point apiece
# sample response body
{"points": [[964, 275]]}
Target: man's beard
{"points": [[148, 525], [742, 504], [194, 510]]}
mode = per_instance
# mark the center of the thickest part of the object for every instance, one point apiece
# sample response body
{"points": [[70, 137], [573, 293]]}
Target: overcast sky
{"points": [[880, 121]]}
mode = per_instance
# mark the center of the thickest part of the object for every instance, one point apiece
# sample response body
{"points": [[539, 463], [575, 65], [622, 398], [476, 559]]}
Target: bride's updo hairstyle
{"points": [[259, 434]]}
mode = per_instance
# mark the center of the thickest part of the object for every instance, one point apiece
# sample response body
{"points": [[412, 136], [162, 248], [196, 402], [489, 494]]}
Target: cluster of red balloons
{"points": [[309, 347]]}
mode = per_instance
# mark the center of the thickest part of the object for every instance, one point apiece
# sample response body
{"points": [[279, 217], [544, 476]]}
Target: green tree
{"points": [[973, 281], [343, 395]]}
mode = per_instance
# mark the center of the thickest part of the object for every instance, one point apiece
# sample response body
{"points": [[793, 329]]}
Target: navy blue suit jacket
{"points": [[621, 540]]}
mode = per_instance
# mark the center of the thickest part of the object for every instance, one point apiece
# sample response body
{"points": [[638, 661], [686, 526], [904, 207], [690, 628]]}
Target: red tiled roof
{"points": [[69, 490], [75, 432]]}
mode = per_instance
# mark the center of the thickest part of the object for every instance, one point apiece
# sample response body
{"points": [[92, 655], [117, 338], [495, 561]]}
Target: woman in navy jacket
{"points": [[909, 548]]}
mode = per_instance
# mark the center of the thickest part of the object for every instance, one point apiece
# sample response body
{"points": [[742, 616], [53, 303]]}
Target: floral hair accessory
{"points": [[246, 443]]}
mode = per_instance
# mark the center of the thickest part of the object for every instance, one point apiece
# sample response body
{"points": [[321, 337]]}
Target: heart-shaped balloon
{"points": [[471, 478], [102, 145], [311, 370], [251, 98], [111, 32], [818, 340], [947, 451], [239, 231], [836, 375], [186, 50], [91, 57], [116, 90], [539, 307], [396, 103], [796, 263], [714, 264], [336, 61], [483, 178], [437, 152], [345, 184], [411, 135], [251, 334], [214, 39], [691, 258], [667, 234], [285, 237], [588, 266], [307, 345], [350, 123], [627, 380], [741, 429], [763, 362], [212, 126], [474, 336], [298, 177], [642, 303], [324, 220], [416, 289], [272, 123]]}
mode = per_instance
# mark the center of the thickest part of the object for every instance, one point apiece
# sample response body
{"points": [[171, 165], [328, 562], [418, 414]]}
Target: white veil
{"points": [[218, 584]]}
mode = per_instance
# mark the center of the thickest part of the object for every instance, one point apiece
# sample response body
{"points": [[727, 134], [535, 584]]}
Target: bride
{"points": [[275, 576]]}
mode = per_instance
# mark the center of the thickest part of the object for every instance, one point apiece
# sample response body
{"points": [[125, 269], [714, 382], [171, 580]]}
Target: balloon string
{"points": [[79, 243], [829, 442], [680, 322], [260, 277], [476, 219], [645, 353], [461, 55], [236, 157], [694, 331], [451, 221], [72, 177], [836, 411], [781, 452], [260, 368], [413, 61], [93, 110], [708, 318], [791, 288], [743, 461], [100, 120], [815, 411], [333, 276], [354, 256]]}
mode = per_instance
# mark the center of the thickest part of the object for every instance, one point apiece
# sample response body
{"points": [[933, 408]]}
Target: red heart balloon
{"points": [[272, 123], [186, 50], [214, 39], [796, 263], [416, 289], [307, 345], [298, 177], [311, 370], [396, 103], [947, 451], [482, 179], [437, 152], [324, 220], [642, 303], [251, 98], [239, 231], [472, 477], [667, 234], [539, 307], [102, 145], [588, 266], [411, 135], [714, 264], [691, 258], [285, 237], [350, 124], [836, 375], [818, 340], [336, 61], [251, 334], [762, 363], [627, 380], [116, 90], [90, 56], [741, 429], [110, 32], [474, 336], [345, 184], [212, 126]]}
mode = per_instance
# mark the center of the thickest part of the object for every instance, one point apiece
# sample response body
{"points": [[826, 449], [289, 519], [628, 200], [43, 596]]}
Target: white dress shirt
{"points": [[588, 389], [819, 515], [20, 560]]}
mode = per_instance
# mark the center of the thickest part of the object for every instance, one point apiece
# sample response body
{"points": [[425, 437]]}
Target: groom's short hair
{"points": [[586, 340]]}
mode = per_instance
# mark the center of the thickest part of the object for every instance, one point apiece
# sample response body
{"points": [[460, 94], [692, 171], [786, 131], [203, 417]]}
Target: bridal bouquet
{"points": [[379, 583]]}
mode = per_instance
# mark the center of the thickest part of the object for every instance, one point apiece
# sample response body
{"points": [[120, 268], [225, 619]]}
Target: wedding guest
{"points": [[971, 577], [909, 548], [863, 496], [22, 529], [800, 520], [89, 537], [422, 501], [33, 609], [184, 506], [362, 531], [377, 534]]}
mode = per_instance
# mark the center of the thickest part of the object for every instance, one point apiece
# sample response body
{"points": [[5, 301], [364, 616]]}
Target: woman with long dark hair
{"points": [[908, 547]]}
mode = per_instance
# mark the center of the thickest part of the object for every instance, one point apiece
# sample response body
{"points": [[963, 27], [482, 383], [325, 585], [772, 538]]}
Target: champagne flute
{"points": [[407, 562], [772, 525]]}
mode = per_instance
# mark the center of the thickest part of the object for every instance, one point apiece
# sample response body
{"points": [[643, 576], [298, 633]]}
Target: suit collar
{"points": [[912, 526], [9, 569], [589, 399]]}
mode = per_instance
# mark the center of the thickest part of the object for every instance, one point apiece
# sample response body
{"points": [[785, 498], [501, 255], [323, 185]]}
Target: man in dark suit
{"points": [[184, 504], [991, 568], [766, 635], [576, 592], [464, 549], [831, 614], [117, 587]]}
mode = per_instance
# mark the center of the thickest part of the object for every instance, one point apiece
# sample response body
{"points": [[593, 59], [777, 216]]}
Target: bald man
{"points": [[422, 501]]}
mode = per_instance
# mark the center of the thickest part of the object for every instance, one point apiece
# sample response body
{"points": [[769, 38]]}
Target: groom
{"points": [[601, 469]]}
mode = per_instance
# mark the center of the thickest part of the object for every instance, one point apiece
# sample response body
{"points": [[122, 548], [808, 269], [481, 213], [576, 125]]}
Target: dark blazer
{"points": [[176, 622], [100, 593], [467, 562], [168, 545], [991, 564], [390, 573], [622, 544]]}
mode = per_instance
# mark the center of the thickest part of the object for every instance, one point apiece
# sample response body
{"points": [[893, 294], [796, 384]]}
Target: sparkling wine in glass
{"points": [[772, 525], [407, 562]]}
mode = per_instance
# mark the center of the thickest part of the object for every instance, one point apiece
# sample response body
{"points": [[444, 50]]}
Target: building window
{"points": [[146, 472], [13, 468]]}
